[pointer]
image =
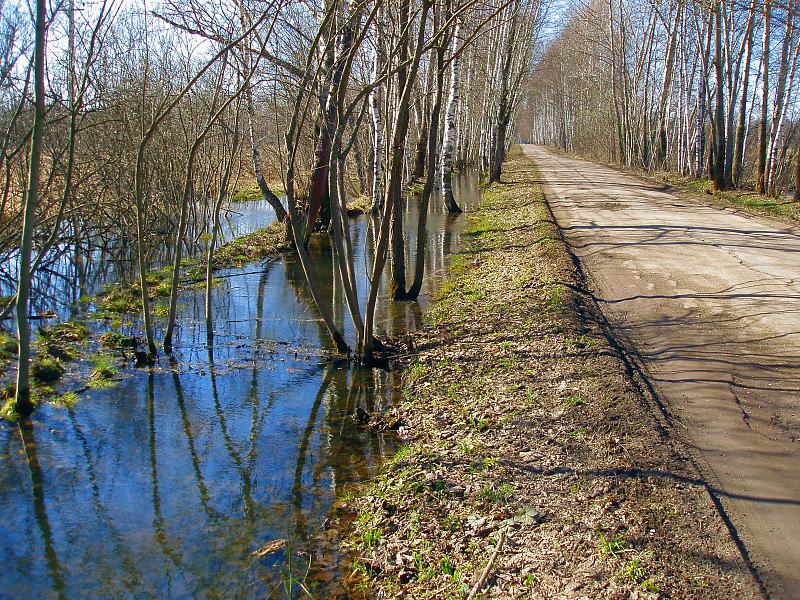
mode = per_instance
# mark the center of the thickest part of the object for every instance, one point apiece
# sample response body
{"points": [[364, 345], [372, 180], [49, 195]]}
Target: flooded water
{"points": [[165, 484], [70, 272]]}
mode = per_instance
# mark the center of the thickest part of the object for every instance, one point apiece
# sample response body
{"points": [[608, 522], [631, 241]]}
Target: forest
{"points": [[200, 200], [126, 125]]}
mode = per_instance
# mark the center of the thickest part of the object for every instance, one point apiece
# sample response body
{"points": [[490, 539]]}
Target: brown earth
{"points": [[532, 457], [706, 303]]}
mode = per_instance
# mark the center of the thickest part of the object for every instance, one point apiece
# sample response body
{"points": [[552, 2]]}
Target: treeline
{"points": [[130, 126], [702, 88]]}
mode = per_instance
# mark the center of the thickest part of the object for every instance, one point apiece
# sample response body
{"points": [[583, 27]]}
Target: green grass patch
{"points": [[8, 345], [46, 369], [104, 368], [611, 546], [575, 400], [66, 400]]}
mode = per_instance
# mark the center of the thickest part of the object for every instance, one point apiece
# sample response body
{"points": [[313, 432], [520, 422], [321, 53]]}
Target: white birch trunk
{"points": [[448, 140]]}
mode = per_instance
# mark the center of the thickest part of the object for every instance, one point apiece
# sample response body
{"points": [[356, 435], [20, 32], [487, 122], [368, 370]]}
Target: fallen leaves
{"points": [[524, 422]]}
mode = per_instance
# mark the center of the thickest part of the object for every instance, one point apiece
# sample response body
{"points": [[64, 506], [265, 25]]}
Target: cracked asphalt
{"points": [[706, 300]]}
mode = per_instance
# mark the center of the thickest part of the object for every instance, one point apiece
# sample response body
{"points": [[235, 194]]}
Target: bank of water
{"points": [[165, 484], [80, 270]]}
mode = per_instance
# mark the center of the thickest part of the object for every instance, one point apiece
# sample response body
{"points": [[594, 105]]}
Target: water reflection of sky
{"points": [[66, 276], [165, 484]]}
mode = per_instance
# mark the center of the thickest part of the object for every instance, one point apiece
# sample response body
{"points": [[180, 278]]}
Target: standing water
{"points": [[167, 483]]}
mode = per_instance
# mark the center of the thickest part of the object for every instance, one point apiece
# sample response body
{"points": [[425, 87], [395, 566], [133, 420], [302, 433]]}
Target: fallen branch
{"points": [[485, 575]]}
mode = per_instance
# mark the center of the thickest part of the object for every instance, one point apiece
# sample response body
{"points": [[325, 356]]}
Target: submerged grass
{"points": [[124, 298]]}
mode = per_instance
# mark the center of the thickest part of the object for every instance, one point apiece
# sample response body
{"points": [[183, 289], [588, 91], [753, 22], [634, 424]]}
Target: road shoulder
{"points": [[532, 464]]}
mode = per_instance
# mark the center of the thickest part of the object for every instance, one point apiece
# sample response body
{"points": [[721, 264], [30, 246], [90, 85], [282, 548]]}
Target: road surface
{"points": [[707, 301]]}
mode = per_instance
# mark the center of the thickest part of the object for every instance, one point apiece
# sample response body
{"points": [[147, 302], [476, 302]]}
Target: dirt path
{"points": [[707, 301]]}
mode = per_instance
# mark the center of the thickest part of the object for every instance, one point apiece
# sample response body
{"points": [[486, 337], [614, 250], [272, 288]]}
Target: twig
{"points": [[485, 575]]}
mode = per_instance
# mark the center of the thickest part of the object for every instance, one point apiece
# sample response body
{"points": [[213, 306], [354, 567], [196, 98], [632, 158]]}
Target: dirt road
{"points": [[707, 302]]}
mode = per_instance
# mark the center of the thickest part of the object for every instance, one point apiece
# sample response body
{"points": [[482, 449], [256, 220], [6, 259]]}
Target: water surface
{"points": [[165, 484]]}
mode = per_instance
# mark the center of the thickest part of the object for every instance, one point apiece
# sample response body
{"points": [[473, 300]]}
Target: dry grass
{"points": [[520, 419]]}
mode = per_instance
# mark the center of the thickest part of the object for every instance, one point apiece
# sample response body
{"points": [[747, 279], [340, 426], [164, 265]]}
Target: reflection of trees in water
{"points": [[187, 430], [329, 444], [349, 450], [301, 524], [121, 550], [69, 271], [158, 518], [54, 567], [296, 279], [233, 453], [351, 445]]}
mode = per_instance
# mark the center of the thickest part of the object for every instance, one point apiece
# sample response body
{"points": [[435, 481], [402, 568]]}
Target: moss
{"points": [[67, 399], [163, 289], [247, 194], [258, 245], [114, 339], [68, 331], [359, 205], [8, 345], [57, 349], [415, 187], [119, 298], [61, 341], [7, 409], [104, 367], [47, 369]]}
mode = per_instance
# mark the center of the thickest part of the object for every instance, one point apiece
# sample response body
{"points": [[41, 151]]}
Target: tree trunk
{"points": [[397, 289], [761, 167], [702, 92], [427, 188], [504, 107], [782, 91], [377, 126], [741, 125], [720, 145], [394, 187], [449, 138], [797, 177], [22, 402], [280, 213], [421, 145], [666, 86]]}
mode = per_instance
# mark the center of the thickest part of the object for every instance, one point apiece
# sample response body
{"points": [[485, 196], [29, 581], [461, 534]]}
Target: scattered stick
{"points": [[485, 575], [269, 548]]}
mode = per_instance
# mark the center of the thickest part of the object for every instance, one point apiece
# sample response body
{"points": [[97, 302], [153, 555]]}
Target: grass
{"points": [[125, 298], [575, 400], [46, 369], [68, 331], [359, 205], [579, 432], [488, 383], [496, 494], [251, 191], [370, 537], [782, 208], [247, 194], [104, 369], [66, 400], [7, 396], [8, 345], [611, 546], [114, 339]]}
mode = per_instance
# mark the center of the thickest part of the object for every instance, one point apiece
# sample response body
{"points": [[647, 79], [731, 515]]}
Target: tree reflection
{"points": [[40, 507]]}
